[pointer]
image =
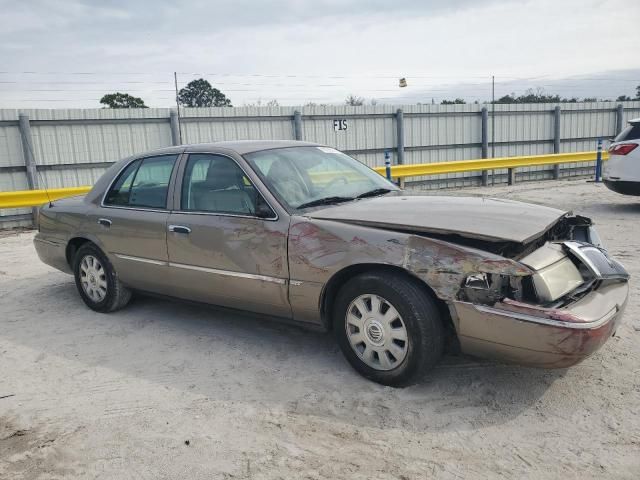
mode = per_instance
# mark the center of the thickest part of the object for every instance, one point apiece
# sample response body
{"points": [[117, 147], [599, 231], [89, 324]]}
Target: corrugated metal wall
{"points": [[74, 147]]}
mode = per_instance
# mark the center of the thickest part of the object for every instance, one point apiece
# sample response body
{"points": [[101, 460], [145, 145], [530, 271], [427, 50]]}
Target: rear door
{"points": [[131, 222], [226, 245]]}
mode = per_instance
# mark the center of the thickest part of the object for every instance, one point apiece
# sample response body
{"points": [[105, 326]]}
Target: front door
{"points": [[226, 245], [131, 223]]}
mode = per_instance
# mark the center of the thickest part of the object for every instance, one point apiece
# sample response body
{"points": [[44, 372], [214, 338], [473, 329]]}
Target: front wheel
{"points": [[388, 327], [97, 281]]}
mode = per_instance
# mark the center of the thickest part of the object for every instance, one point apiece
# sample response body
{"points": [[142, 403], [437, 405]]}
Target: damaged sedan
{"points": [[304, 232]]}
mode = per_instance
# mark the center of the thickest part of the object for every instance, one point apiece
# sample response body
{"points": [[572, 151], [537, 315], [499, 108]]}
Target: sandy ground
{"points": [[86, 395]]}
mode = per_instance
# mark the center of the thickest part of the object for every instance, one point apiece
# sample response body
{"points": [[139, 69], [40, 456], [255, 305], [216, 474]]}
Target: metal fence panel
{"points": [[72, 147]]}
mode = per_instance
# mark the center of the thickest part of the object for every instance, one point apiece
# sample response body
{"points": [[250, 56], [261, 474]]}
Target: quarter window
{"points": [[144, 183]]}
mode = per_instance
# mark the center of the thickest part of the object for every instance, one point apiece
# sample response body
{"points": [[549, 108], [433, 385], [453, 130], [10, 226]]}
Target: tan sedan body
{"points": [[511, 281]]}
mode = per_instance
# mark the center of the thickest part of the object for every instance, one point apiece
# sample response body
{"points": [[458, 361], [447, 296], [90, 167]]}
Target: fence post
{"points": [[485, 143], [619, 118], [297, 125], [175, 127], [29, 159], [400, 140], [556, 139]]}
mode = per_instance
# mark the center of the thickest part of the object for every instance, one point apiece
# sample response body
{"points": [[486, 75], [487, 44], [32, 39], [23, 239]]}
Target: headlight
{"points": [[555, 274]]}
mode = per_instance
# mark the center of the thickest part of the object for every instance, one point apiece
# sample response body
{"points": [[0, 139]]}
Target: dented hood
{"points": [[490, 219]]}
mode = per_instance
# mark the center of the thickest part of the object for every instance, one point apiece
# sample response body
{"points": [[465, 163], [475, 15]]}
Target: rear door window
{"points": [[144, 183], [631, 132]]}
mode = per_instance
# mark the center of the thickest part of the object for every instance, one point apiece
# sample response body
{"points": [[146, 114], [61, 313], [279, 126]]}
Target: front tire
{"points": [[97, 281], [388, 327]]}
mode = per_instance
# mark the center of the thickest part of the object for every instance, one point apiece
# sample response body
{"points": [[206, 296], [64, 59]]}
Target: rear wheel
{"points": [[97, 280], [388, 327]]}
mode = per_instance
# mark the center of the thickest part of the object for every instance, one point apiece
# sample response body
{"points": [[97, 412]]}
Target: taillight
{"points": [[622, 148]]}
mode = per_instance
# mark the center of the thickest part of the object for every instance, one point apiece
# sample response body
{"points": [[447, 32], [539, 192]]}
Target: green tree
{"points": [[200, 93], [623, 98], [457, 101], [354, 101], [638, 92], [122, 100]]}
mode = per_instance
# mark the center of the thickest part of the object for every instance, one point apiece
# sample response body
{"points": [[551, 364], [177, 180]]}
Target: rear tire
{"points": [[388, 327], [97, 280]]}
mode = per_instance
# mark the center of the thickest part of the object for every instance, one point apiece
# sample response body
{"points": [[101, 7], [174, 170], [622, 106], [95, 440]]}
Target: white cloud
{"points": [[449, 43]]}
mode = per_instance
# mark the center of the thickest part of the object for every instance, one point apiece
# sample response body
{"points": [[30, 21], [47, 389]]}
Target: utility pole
{"points": [[493, 124], [175, 81]]}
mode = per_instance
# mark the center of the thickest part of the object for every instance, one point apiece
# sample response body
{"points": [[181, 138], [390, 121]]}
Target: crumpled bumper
{"points": [[539, 337], [549, 337]]}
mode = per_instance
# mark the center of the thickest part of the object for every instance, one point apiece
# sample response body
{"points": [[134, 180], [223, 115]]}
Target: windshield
{"points": [[305, 176]]}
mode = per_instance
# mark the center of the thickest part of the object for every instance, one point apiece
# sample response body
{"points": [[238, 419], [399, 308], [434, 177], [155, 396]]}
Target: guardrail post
{"points": [[297, 125], [485, 143], [175, 128], [28, 155], [400, 140], [599, 161], [619, 118], [556, 139], [511, 176], [387, 164]]}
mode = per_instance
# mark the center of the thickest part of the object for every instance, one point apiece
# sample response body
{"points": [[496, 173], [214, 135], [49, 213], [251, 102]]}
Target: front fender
{"points": [[319, 249]]}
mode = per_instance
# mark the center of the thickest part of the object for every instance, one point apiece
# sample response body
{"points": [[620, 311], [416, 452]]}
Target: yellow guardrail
{"points": [[416, 170], [31, 198]]}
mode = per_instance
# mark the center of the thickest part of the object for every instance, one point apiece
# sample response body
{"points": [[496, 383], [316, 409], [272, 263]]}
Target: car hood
{"points": [[491, 219]]}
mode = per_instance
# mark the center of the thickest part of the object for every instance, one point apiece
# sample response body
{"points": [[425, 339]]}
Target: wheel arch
{"points": [[340, 278], [73, 245]]}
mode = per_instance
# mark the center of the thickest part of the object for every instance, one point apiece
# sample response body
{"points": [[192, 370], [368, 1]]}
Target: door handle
{"points": [[105, 222], [179, 229]]}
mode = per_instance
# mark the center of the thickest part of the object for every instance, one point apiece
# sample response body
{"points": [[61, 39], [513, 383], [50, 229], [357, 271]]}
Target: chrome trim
{"points": [[295, 283], [139, 209], [48, 242], [102, 221], [576, 249], [235, 215], [547, 321], [172, 228], [250, 276], [141, 259]]}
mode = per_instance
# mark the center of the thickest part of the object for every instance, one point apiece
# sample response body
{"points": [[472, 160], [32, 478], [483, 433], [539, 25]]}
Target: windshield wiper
{"points": [[325, 201], [374, 192]]}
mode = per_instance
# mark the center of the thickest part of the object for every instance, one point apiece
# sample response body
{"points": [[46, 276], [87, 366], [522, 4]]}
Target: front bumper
{"points": [[534, 336], [551, 337]]}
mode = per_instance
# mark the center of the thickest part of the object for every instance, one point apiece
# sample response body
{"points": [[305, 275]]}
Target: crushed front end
{"points": [[567, 308]]}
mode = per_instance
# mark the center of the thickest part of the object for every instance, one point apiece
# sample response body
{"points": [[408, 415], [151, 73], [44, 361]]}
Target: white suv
{"points": [[622, 171]]}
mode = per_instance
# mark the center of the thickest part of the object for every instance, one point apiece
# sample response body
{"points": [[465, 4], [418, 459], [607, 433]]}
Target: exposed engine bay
{"points": [[568, 261]]}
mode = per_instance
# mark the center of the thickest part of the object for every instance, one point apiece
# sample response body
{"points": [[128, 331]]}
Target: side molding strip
{"points": [[140, 259], [228, 273]]}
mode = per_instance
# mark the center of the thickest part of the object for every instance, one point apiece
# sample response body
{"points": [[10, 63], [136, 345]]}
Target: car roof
{"points": [[239, 146], [635, 120]]}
